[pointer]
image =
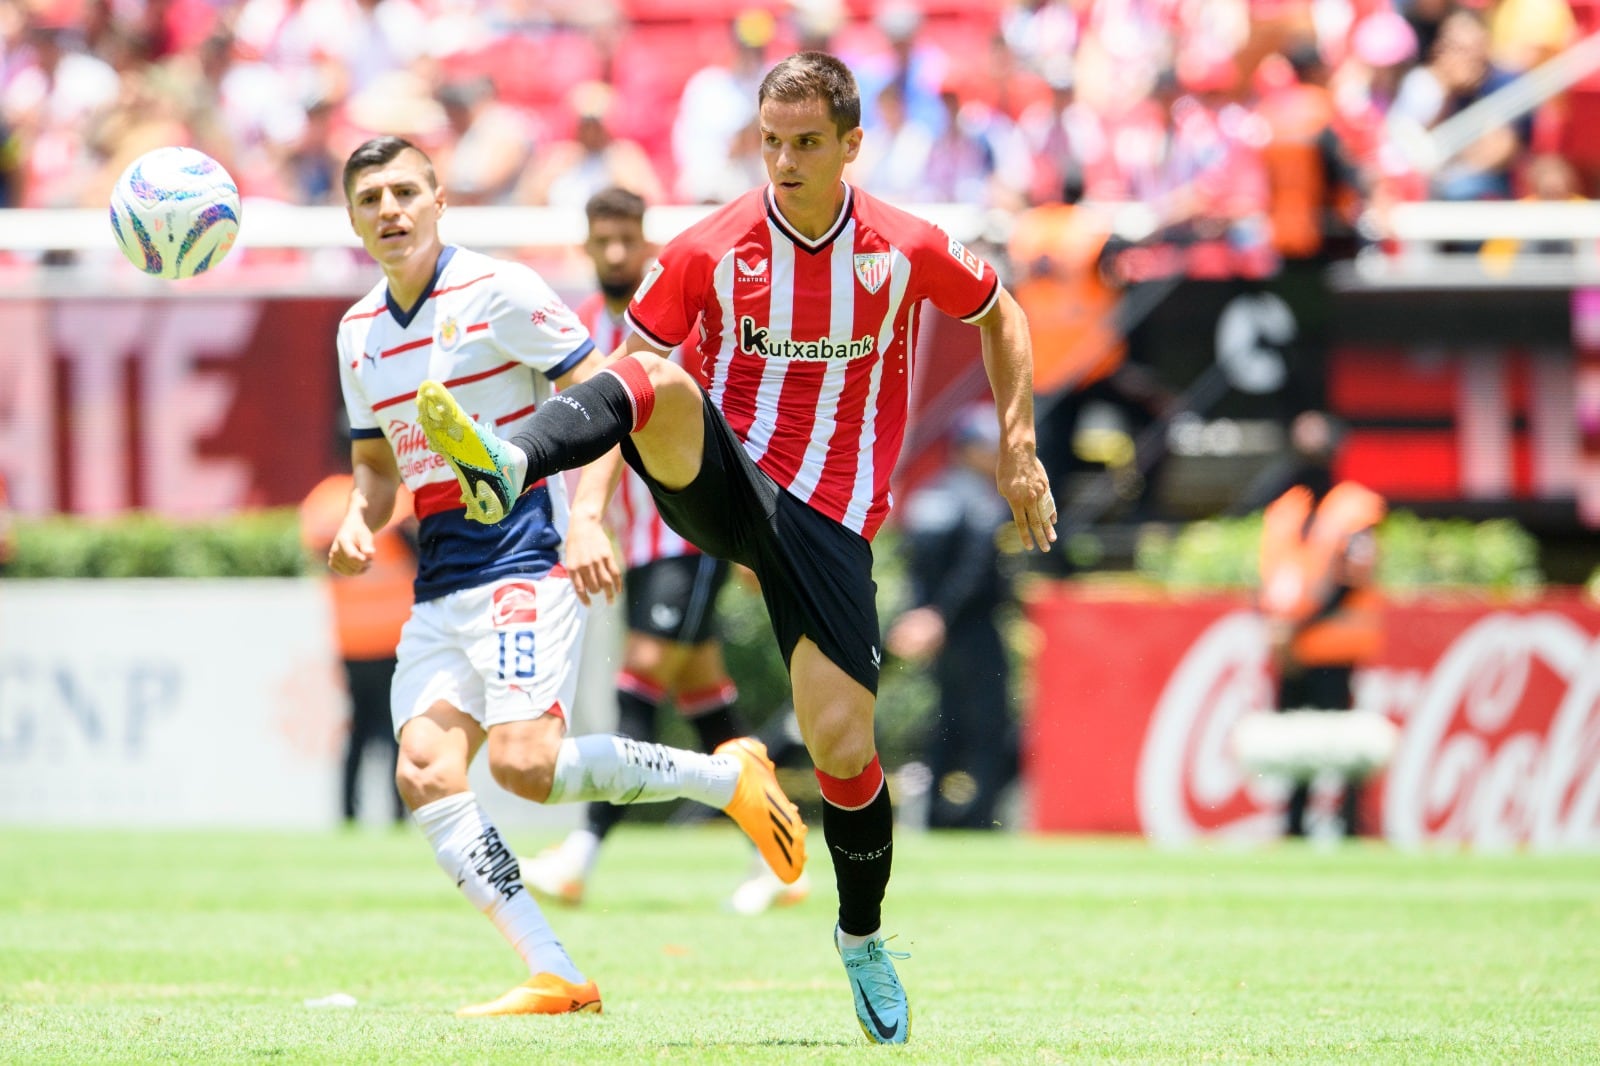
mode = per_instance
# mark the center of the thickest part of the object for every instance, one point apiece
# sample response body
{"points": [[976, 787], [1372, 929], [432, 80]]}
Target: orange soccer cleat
{"points": [[763, 811], [543, 993]]}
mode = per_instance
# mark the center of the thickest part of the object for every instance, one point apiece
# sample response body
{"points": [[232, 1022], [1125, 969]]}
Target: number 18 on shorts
{"points": [[502, 652]]}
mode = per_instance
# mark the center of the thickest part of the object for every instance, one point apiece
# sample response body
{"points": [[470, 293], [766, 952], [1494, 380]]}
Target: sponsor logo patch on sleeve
{"points": [[967, 258]]}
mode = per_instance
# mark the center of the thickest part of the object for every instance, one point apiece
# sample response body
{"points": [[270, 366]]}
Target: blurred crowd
{"points": [[1271, 123]]}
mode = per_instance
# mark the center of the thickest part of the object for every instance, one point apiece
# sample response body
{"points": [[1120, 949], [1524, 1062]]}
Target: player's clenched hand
{"points": [[916, 635], [1022, 481], [352, 548], [591, 561]]}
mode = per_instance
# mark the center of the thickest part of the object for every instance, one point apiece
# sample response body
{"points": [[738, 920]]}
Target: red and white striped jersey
{"points": [[496, 334], [641, 534], [807, 345]]}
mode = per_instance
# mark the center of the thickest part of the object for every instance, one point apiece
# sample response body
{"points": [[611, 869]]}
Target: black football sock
{"points": [[578, 425], [861, 843], [715, 723]]}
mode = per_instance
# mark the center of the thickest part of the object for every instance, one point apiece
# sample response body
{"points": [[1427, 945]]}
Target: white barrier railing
{"points": [[1439, 245], [272, 224], [1420, 232], [1453, 136]]}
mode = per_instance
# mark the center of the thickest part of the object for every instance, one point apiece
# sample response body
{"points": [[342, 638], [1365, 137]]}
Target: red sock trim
{"points": [[642, 687], [641, 394], [856, 792], [707, 699]]}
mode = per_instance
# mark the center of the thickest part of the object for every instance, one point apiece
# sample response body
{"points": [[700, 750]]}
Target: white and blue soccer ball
{"points": [[175, 212]]}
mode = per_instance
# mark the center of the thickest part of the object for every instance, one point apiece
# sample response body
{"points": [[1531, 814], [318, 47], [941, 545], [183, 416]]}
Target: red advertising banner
{"points": [[1498, 708], [188, 407]]}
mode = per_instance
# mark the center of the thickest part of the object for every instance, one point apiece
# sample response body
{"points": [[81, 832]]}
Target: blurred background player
{"points": [[957, 587], [490, 652], [1066, 283], [1319, 553], [367, 616], [670, 587]]}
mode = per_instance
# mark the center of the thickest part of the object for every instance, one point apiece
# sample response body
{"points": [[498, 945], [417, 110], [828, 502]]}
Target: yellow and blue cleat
{"points": [[481, 461]]}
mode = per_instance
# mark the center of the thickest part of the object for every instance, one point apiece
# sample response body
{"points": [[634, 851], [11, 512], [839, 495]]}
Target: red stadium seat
{"points": [[713, 11], [532, 70], [866, 9], [653, 63]]}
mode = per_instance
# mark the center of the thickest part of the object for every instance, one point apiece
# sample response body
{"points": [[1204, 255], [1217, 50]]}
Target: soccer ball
{"points": [[175, 212]]}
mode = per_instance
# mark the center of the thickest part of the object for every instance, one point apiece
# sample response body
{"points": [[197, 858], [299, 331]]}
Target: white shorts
{"points": [[503, 652]]}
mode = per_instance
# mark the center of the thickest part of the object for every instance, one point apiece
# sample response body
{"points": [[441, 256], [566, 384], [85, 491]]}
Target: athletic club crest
{"points": [[872, 270], [449, 334]]}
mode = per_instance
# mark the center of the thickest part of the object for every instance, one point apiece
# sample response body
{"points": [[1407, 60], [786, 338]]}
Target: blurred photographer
{"points": [[957, 587]]}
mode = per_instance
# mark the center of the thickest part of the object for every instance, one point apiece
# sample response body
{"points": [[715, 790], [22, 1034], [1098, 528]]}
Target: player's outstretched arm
{"points": [[376, 481], [1021, 478]]}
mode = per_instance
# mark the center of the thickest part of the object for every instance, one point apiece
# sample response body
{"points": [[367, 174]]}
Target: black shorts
{"points": [[816, 575], [1322, 688], [674, 598]]}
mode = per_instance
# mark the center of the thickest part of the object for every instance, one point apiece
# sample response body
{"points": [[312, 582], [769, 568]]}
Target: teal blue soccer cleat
{"points": [[481, 461], [881, 1005]]}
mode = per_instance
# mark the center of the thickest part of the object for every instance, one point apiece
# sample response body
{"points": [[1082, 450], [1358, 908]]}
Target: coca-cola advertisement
{"points": [[1497, 707]]}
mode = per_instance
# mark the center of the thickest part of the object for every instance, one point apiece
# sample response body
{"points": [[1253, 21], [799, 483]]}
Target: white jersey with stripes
{"points": [[497, 335]]}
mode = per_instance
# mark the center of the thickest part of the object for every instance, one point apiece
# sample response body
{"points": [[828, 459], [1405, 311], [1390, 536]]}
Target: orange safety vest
{"points": [[1055, 252], [1293, 159], [1301, 550], [370, 608]]}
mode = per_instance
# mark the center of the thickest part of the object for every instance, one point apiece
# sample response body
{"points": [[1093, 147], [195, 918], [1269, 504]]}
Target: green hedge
{"points": [[1414, 554], [253, 544]]}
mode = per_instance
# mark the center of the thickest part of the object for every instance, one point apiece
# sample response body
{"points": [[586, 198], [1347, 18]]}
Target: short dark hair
{"points": [[815, 76], [377, 152], [615, 202]]}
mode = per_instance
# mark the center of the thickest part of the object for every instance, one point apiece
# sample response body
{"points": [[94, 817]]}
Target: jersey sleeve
{"points": [[534, 326], [357, 408], [668, 301], [956, 279]]}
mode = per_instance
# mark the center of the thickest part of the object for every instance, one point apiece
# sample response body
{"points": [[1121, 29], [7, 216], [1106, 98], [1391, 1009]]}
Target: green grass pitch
{"points": [[204, 947]]}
